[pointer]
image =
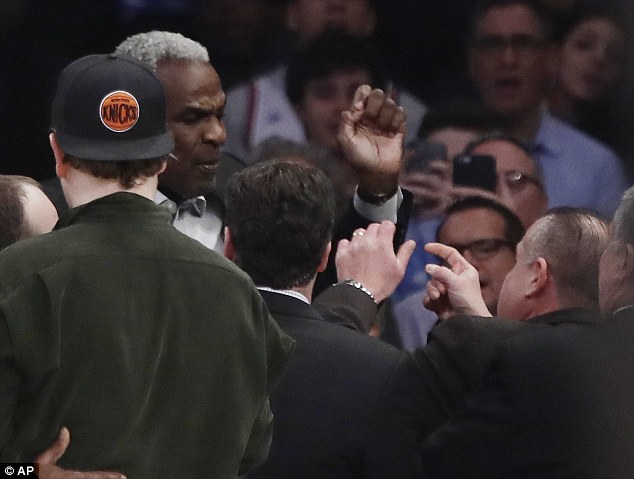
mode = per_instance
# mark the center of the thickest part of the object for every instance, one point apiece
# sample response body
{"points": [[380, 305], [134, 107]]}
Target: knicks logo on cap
{"points": [[119, 111]]}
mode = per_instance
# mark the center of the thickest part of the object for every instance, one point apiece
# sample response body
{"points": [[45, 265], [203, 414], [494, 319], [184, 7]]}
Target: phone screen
{"points": [[475, 170]]}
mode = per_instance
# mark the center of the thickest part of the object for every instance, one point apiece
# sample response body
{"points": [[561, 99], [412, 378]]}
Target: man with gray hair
{"points": [[195, 106]]}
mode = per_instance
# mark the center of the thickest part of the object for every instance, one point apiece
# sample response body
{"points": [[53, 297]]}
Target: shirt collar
{"points": [[546, 141], [286, 292]]}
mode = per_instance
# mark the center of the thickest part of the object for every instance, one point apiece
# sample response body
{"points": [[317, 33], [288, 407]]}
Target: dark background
{"points": [[422, 42]]}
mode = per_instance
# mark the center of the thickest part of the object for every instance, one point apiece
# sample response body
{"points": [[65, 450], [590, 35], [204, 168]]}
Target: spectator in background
{"points": [[320, 83], [510, 60], [444, 133], [25, 210], [241, 36], [520, 181], [259, 109], [486, 234], [592, 61]]}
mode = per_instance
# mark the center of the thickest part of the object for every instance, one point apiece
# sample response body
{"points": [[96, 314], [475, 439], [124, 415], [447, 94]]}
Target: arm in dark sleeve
{"points": [[352, 220]]}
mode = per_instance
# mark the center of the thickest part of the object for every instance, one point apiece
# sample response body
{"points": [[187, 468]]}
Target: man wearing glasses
{"points": [[486, 233], [510, 60], [520, 182]]}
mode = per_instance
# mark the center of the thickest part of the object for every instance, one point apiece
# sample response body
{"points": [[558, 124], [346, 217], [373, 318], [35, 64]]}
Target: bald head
{"points": [[572, 242]]}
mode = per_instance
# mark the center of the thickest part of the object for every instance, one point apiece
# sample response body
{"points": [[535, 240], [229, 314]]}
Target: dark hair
{"points": [[280, 216], [513, 228], [330, 52], [581, 13], [484, 6], [463, 116], [123, 171]]}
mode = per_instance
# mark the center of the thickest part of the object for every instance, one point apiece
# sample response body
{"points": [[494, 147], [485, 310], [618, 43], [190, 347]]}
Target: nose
{"points": [[215, 131], [508, 55]]}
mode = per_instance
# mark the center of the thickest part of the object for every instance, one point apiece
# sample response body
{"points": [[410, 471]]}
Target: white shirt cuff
{"points": [[377, 213]]}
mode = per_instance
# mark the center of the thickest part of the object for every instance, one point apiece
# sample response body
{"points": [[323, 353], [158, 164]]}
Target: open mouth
{"points": [[508, 85], [209, 168]]}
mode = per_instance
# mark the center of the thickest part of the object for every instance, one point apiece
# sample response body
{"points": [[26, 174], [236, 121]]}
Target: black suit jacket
{"points": [[556, 401], [460, 350], [348, 405]]}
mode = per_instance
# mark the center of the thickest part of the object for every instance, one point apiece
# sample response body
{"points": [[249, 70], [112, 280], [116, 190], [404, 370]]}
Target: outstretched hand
{"points": [[369, 258], [454, 289], [371, 137], [47, 462]]}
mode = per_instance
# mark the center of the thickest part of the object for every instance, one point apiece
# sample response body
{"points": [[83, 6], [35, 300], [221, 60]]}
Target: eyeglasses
{"points": [[483, 249], [516, 181], [520, 44]]}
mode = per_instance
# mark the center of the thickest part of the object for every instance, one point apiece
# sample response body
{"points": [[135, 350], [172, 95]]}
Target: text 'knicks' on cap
{"points": [[110, 107]]}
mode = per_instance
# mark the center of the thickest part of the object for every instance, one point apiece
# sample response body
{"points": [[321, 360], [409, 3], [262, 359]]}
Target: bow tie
{"points": [[195, 206]]}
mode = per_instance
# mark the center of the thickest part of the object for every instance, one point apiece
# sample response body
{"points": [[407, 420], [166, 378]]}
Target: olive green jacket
{"points": [[157, 353]]}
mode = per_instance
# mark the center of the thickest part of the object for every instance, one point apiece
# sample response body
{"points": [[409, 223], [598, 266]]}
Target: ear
{"points": [[324, 258], [229, 250], [163, 167], [61, 168], [538, 279]]}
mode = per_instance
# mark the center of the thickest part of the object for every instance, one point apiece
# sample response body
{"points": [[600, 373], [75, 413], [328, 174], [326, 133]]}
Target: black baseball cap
{"points": [[110, 107]]}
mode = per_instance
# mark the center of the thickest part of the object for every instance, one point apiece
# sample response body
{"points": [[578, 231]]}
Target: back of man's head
{"points": [[280, 217], [25, 210], [571, 240], [109, 119], [151, 47]]}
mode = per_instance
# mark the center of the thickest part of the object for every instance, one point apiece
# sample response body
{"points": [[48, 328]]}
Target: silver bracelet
{"points": [[359, 286]]}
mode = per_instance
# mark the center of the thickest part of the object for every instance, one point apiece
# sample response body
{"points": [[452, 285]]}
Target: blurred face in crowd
{"points": [[195, 104], [478, 234], [455, 139], [518, 185], [509, 61], [323, 101], [309, 18], [591, 59]]}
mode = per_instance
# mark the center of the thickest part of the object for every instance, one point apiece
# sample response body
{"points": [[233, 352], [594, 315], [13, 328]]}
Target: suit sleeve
{"points": [[350, 221], [347, 306]]}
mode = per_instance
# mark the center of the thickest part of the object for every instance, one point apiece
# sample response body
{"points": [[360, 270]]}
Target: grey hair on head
{"points": [[151, 47]]}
